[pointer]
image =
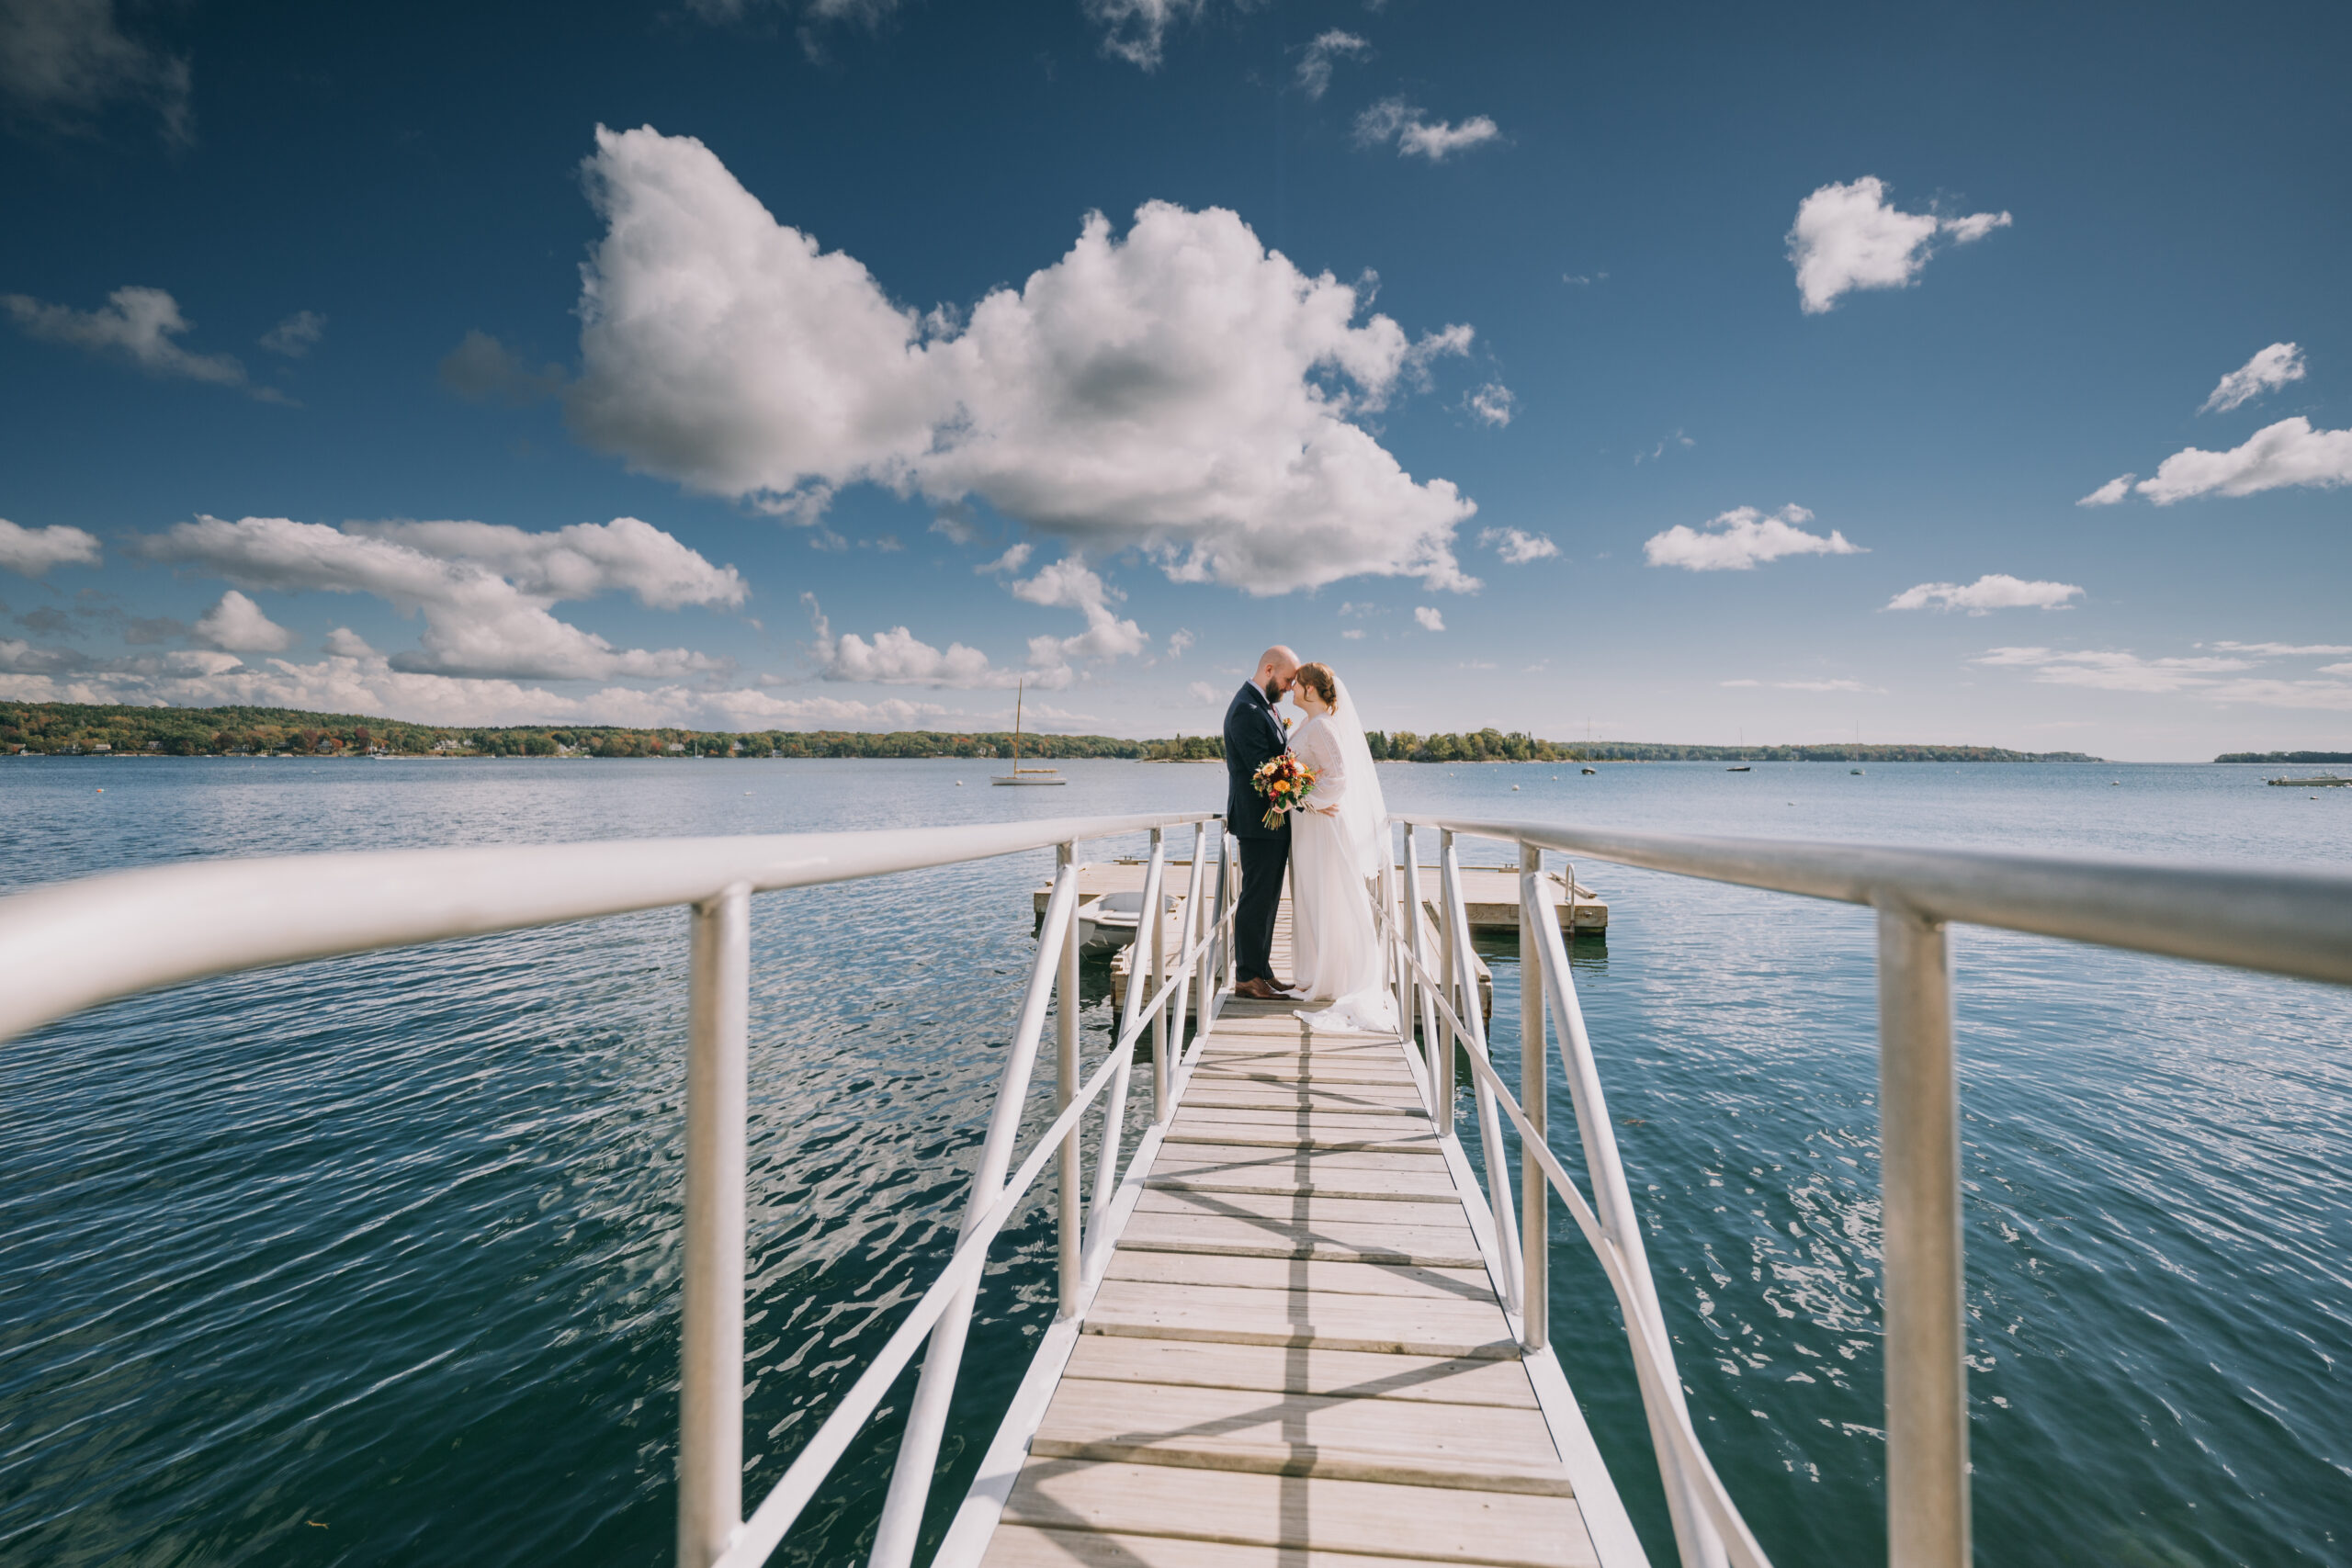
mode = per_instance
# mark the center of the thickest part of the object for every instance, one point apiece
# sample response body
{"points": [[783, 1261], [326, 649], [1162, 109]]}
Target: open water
{"points": [[375, 1261]]}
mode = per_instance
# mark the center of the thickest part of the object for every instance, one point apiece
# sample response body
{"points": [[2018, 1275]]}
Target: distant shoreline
{"points": [[92, 730]]}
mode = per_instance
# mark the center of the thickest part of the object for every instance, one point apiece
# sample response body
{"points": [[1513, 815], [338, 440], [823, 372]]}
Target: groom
{"points": [[1253, 736]]}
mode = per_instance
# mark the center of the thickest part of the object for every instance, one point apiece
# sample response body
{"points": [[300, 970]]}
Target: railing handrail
{"points": [[2283, 919], [71, 945]]}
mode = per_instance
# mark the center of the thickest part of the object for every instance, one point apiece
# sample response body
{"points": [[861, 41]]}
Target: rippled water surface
{"points": [[375, 1261]]}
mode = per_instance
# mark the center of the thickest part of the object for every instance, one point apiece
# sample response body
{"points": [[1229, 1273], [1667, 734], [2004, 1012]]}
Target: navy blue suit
{"points": [[1253, 737]]}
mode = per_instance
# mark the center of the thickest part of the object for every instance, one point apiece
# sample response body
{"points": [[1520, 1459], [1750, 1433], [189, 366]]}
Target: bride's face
{"points": [[1311, 700]]}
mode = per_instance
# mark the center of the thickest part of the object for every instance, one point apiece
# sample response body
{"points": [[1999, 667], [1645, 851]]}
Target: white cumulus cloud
{"points": [[899, 658], [1069, 584], [34, 551], [1994, 590], [1427, 619], [2110, 493], [2267, 371], [1849, 236], [483, 591], [1417, 136], [236, 624], [1181, 389], [1315, 65], [1740, 539], [137, 324], [2277, 457], [1516, 545]]}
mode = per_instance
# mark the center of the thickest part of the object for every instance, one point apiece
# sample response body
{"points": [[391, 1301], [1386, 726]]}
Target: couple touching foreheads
{"points": [[1331, 843]]}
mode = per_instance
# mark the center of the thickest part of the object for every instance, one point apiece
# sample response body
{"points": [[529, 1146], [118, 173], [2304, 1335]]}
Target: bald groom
{"points": [[1253, 737]]}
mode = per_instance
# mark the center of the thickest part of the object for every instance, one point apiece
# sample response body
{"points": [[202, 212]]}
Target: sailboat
{"points": [[1020, 775]]}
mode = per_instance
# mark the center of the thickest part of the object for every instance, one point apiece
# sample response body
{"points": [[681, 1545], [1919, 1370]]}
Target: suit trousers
{"points": [[1263, 862]]}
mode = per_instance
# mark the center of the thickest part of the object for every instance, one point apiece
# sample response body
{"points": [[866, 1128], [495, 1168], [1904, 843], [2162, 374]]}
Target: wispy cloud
{"points": [[2282, 649], [481, 369], [2268, 370], [1417, 136], [1517, 547], [296, 336], [1315, 65], [1492, 402], [1842, 683], [2205, 677], [1427, 619], [1671, 443], [1849, 236], [1136, 31], [137, 324], [64, 62], [1994, 590], [1743, 538]]}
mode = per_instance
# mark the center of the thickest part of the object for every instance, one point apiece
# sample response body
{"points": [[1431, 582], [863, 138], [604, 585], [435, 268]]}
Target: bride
{"points": [[1337, 840]]}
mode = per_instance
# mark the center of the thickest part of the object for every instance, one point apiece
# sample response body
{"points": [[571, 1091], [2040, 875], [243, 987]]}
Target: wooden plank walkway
{"points": [[1297, 1358]]}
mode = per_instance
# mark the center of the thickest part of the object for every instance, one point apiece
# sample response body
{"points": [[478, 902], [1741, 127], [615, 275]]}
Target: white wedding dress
{"points": [[1334, 865]]}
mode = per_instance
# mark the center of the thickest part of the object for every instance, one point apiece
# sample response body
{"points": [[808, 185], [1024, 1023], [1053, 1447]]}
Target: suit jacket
{"points": [[1253, 737]]}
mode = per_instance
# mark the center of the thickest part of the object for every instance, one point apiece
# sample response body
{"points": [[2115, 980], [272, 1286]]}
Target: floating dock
{"points": [[1172, 938], [1297, 1355], [1490, 893]]}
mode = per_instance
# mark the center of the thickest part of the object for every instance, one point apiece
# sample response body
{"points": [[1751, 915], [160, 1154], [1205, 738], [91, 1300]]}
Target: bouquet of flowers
{"points": [[1285, 782]]}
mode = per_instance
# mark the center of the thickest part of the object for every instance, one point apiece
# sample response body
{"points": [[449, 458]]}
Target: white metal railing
{"points": [[77, 944], [2286, 922]]}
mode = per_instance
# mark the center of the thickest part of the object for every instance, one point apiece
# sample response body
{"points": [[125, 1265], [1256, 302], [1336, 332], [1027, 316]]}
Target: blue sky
{"points": [[1687, 373]]}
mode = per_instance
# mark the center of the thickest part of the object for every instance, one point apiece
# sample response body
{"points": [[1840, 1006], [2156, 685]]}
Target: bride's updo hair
{"points": [[1318, 678]]}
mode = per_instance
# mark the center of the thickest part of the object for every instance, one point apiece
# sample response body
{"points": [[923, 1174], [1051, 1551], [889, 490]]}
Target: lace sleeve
{"points": [[1329, 760]]}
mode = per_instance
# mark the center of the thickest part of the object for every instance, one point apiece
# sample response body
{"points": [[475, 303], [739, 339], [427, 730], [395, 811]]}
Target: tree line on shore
{"points": [[2284, 757], [86, 728], [74, 727]]}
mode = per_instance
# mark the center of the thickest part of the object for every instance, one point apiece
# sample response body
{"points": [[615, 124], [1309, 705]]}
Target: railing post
{"points": [[1392, 966], [1168, 1024], [1445, 1047], [1696, 1538], [1490, 1130], [1150, 934], [903, 1507], [1926, 1387], [711, 1383], [1228, 893], [1534, 1238], [1067, 1083]]}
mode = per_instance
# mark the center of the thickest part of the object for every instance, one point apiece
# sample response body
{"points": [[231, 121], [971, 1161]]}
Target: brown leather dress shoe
{"points": [[1256, 991]]}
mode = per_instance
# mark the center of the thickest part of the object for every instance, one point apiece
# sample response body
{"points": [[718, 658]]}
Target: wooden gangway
{"points": [[1295, 1348], [1295, 1357]]}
